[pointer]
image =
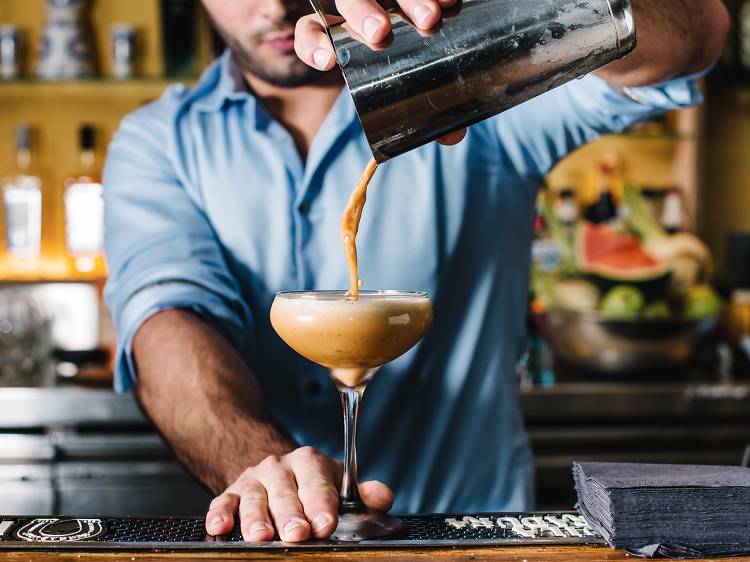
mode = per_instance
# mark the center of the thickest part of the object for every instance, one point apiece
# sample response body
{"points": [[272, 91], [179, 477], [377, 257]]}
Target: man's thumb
{"points": [[376, 495]]}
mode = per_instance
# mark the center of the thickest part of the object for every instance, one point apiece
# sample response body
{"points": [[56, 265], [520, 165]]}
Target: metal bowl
{"points": [[619, 347]]}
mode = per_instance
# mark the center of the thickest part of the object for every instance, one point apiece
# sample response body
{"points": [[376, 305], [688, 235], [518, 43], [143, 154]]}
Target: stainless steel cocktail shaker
{"points": [[485, 57]]}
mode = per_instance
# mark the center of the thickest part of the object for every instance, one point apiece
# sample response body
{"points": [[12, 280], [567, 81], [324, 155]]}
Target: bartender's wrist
{"points": [[233, 468]]}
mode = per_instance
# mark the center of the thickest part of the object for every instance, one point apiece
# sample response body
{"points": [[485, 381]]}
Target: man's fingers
{"points": [[376, 495], [255, 521], [453, 138], [294, 496], [366, 20], [366, 17], [283, 501], [220, 516], [312, 45], [425, 14], [317, 490]]}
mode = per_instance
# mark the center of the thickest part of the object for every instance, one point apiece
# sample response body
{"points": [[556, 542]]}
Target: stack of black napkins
{"points": [[677, 511]]}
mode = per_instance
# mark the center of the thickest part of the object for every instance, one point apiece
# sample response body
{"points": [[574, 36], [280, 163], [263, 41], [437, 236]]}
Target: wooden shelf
{"points": [[40, 280], [110, 88], [46, 269], [656, 136]]}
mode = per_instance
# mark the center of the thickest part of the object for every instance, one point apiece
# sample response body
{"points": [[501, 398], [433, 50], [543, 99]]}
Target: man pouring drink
{"points": [[221, 196]]}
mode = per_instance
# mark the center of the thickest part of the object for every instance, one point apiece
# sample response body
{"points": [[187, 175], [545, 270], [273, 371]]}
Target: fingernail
{"points": [[421, 14], [371, 26], [292, 525], [321, 57], [215, 524], [320, 522], [259, 528]]}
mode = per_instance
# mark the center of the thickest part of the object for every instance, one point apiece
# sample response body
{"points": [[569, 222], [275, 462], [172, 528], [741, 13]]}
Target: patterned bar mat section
{"points": [[188, 533]]}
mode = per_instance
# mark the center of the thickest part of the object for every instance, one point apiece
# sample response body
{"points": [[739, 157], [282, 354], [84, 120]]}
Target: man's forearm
{"points": [[675, 38], [203, 399]]}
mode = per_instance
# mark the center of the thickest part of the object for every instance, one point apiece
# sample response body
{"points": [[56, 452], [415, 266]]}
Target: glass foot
{"points": [[355, 527]]}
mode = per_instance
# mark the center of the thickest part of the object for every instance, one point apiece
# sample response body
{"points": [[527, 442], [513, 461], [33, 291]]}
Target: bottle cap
{"points": [[23, 137], [87, 137]]}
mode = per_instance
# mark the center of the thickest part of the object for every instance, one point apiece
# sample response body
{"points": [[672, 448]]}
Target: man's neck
{"points": [[300, 110]]}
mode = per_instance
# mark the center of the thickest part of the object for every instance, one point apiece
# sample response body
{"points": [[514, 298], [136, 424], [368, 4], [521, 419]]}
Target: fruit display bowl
{"points": [[589, 341]]}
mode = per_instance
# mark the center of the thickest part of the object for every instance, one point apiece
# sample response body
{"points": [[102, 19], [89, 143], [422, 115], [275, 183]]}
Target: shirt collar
{"points": [[220, 83], [223, 82]]}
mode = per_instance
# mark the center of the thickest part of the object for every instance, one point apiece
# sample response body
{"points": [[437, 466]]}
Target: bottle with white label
{"points": [[84, 210], [673, 215], [566, 208], [22, 207]]}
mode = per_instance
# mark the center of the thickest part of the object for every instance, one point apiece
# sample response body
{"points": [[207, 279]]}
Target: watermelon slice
{"points": [[602, 250]]}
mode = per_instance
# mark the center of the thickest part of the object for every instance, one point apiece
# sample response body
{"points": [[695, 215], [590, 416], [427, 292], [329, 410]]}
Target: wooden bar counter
{"points": [[494, 554], [497, 537]]}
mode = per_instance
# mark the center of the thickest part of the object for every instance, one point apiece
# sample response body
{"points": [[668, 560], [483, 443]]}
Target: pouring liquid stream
{"points": [[350, 227]]}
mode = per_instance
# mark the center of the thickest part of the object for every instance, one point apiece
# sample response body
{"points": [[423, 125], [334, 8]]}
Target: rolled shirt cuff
{"points": [[678, 93], [170, 295], [627, 106]]}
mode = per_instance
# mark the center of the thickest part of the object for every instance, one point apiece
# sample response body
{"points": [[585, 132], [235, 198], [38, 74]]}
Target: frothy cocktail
{"points": [[351, 337], [353, 333]]}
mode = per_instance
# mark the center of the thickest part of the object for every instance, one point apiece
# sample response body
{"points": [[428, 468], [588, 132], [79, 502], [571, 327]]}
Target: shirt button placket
{"points": [[302, 218]]}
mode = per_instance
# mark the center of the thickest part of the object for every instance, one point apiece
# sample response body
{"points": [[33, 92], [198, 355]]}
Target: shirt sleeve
{"points": [[162, 251], [536, 135]]}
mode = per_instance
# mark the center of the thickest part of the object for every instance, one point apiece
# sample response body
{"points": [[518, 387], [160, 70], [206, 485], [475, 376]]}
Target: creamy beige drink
{"points": [[353, 334], [350, 227], [352, 337]]}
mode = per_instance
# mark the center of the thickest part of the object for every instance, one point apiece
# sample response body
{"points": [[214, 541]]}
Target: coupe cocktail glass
{"points": [[353, 339]]}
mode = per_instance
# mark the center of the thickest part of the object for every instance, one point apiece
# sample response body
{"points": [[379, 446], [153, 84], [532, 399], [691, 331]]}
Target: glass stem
{"points": [[350, 500]]}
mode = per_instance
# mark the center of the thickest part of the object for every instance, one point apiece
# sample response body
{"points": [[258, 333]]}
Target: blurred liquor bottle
{"points": [[735, 63], [604, 209], [66, 50], [566, 208], [178, 20], [84, 211], [672, 217], [22, 208]]}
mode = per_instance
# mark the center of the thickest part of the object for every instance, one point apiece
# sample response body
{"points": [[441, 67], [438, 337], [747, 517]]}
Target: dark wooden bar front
{"points": [[496, 554]]}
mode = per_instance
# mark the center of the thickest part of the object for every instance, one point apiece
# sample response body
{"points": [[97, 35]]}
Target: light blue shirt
{"points": [[209, 207]]}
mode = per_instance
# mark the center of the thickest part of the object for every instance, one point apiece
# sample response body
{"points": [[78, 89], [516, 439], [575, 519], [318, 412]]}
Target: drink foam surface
{"points": [[349, 335]]}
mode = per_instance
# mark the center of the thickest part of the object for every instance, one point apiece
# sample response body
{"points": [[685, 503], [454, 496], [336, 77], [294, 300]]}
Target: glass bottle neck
{"points": [[23, 159], [88, 158]]}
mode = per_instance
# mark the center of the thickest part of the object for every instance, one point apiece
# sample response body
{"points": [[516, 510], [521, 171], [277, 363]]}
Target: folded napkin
{"points": [[677, 511]]}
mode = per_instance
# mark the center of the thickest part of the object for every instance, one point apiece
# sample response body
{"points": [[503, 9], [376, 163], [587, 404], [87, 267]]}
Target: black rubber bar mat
{"points": [[188, 533]]}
